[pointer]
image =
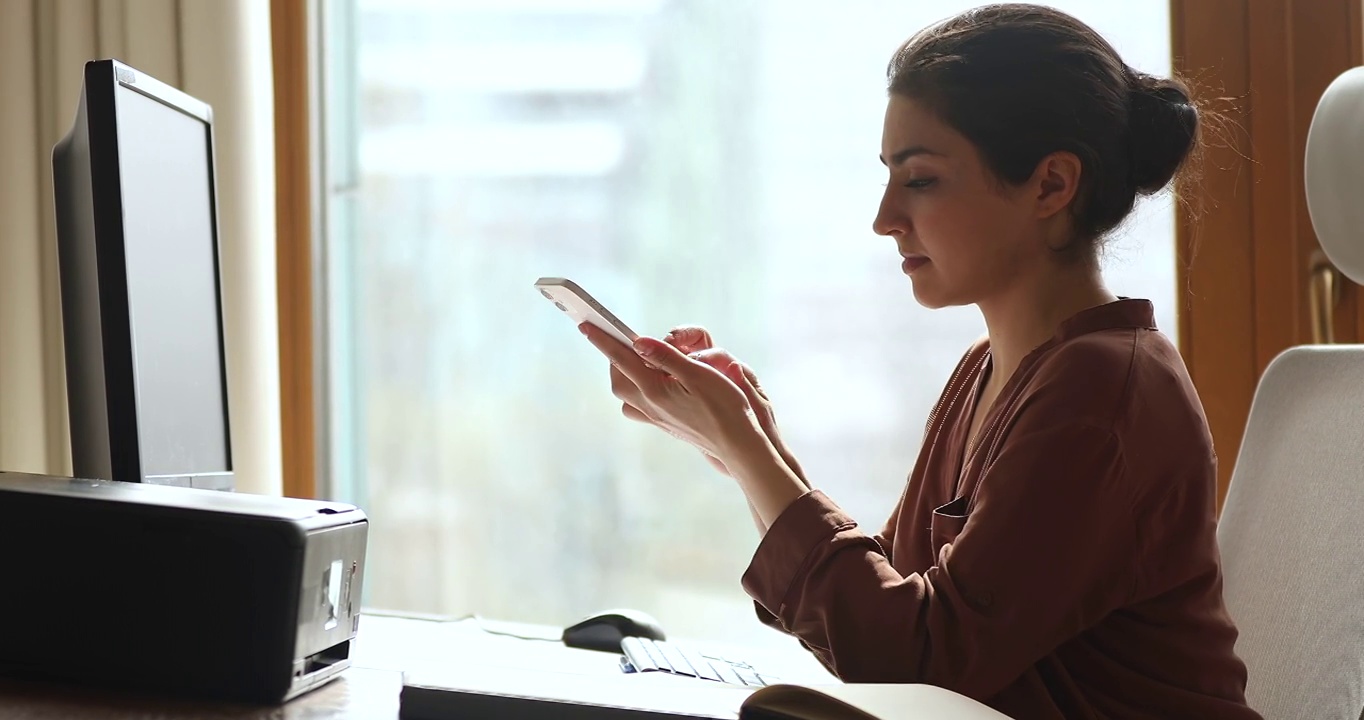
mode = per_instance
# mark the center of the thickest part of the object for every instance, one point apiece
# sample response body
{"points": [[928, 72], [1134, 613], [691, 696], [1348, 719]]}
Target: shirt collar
{"points": [[1123, 313]]}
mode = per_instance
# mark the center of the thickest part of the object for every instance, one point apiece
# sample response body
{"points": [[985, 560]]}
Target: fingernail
{"points": [[583, 328], [643, 348]]}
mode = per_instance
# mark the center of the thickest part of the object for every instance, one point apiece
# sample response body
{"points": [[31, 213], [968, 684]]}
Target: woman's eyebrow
{"points": [[901, 156]]}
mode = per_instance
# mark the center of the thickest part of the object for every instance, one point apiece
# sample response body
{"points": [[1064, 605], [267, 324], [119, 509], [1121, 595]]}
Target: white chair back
{"points": [[1292, 528]]}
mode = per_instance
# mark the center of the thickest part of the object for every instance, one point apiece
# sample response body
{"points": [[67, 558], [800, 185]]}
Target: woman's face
{"points": [[964, 235]]}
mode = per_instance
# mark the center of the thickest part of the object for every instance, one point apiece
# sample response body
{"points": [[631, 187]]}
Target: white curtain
{"points": [[215, 50]]}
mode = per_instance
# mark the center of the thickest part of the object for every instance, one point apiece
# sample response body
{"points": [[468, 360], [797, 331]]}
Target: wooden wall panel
{"points": [[1277, 324], [1217, 325], [1266, 63]]}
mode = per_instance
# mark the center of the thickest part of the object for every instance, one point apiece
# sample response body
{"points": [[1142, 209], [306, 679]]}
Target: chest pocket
{"points": [[948, 522]]}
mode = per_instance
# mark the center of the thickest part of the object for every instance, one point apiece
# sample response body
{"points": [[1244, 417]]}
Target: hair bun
{"points": [[1162, 127]]}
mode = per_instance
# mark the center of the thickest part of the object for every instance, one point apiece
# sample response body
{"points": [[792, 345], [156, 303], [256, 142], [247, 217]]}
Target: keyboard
{"points": [[645, 655]]}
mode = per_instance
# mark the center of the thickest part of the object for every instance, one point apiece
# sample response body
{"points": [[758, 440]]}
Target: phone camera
{"points": [[560, 305], [545, 293]]}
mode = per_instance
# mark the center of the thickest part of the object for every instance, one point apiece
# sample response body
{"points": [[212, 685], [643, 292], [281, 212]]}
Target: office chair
{"points": [[1292, 527]]}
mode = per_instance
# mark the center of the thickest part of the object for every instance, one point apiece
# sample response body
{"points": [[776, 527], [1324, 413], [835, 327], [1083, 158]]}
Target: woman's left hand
{"points": [[687, 398]]}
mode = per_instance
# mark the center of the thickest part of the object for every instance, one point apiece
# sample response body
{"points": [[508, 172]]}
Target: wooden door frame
{"points": [[1243, 234], [294, 262]]}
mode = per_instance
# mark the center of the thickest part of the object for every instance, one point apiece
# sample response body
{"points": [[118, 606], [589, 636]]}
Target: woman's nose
{"points": [[888, 220]]}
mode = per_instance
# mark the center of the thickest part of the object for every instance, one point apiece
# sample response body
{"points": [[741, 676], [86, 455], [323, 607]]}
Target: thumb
{"points": [[735, 372], [752, 379], [689, 338], [667, 358]]}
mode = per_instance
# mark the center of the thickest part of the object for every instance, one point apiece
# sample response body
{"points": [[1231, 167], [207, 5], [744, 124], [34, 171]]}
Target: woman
{"points": [[1054, 553]]}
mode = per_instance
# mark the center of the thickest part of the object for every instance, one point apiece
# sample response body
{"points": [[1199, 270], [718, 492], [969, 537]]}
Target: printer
{"points": [[173, 590]]}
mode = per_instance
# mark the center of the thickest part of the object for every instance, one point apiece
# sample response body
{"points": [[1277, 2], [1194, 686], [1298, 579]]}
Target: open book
{"points": [[463, 691]]}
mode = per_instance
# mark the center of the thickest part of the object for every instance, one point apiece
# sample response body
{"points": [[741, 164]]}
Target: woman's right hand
{"points": [[696, 342]]}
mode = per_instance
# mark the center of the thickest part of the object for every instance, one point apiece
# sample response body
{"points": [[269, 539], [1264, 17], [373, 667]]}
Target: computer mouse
{"points": [[604, 630]]}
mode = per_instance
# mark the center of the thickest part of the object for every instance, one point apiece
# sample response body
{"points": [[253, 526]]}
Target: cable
{"points": [[478, 622], [475, 618]]}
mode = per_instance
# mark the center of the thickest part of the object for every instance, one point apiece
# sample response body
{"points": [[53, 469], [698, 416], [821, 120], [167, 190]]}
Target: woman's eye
{"points": [[920, 183]]}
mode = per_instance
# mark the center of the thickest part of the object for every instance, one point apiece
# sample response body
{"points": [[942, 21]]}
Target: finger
{"points": [[718, 358], [622, 387], [634, 413], [671, 361], [689, 338], [735, 372], [752, 378], [624, 357]]}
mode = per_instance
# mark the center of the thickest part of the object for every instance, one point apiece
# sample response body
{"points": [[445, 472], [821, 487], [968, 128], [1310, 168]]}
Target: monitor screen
{"points": [[164, 158]]}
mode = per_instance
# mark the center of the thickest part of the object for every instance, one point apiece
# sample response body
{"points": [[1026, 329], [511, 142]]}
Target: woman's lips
{"points": [[913, 262]]}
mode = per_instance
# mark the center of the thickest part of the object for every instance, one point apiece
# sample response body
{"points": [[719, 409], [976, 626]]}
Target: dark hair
{"points": [[1024, 81]]}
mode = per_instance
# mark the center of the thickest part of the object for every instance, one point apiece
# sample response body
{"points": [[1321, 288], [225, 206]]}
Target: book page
{"points": [[863, 702]]}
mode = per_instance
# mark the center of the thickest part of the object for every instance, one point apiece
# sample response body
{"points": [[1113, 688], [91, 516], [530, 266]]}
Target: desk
{"points": [[369, 689]]}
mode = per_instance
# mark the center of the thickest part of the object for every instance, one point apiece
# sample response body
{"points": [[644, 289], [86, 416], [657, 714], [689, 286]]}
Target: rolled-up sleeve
{"points": [[1046, 551]]}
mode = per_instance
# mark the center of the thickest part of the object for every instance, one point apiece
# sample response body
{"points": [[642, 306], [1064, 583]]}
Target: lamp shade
{"points": [[1334, 170]]}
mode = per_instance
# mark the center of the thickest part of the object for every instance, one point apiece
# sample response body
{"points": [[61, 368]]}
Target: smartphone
{"points": [[581, 307]]}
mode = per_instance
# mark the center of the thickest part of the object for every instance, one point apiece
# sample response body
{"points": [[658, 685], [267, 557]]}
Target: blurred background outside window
{"points": [[685, 161]]}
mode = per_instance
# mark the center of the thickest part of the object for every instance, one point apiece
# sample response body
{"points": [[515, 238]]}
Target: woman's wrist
{"points": [[791, 462], [764, 476]]}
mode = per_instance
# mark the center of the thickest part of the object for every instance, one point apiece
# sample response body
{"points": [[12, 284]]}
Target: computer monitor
{"points": [[137, 238]]}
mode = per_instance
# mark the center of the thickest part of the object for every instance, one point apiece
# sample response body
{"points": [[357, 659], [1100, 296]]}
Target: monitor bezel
{"points": [[103, 79]]}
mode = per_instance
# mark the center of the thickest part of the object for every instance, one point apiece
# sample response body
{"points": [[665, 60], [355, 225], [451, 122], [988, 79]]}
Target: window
{"points": [[707, 161]]}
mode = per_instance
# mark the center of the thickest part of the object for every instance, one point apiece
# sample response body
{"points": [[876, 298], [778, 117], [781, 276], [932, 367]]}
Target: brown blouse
{"points": [[1066, 567]]}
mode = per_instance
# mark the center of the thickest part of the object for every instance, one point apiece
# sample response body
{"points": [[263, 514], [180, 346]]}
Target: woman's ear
{"points": [[1056, 179]]}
